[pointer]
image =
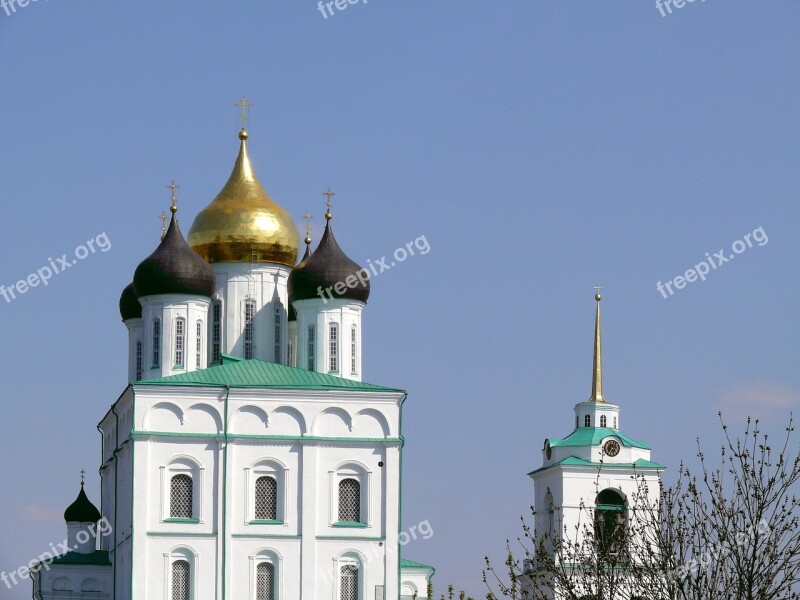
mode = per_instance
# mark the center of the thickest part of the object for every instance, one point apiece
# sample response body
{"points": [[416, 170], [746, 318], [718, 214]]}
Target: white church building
{"points": [[246, 459]]}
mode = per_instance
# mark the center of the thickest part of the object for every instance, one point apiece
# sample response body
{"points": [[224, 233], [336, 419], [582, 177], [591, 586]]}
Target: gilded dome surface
{"points": [[243, 223]]}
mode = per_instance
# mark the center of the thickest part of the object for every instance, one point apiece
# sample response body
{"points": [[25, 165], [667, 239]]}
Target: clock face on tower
{"points": [[611, 447]]}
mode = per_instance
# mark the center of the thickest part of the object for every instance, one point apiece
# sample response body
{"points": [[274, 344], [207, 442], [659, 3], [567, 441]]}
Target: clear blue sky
{"points": [[540, 147]]}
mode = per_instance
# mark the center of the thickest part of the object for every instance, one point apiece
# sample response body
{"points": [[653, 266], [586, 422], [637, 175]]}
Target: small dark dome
{"points": [[82, 510], [129, 306], [325, 268], [174, 268]]}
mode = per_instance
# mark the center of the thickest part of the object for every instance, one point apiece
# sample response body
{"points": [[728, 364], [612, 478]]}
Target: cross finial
{"points": [[308, 216], [163, 218], [597, 289], [173, 208], [329, 194], [243, 106], [83, 477]]}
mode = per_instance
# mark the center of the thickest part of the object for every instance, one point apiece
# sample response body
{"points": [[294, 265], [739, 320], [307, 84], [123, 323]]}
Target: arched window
{"points": [[249, 340], [198, 358], [265, 581], [266, 500], [156, 343], [353, 350], [181, 497], [609, 525], [349, 583], [139, 365], [334, 348], [216, 330], [587, 421], [577, 424], [290, 357], [312, 346], [615, 422], [349, 501], [180, 341], [278, 335], [181, 588], [602, 420]]}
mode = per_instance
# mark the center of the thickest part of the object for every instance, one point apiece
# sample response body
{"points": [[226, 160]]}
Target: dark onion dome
{"points": [[82, 510], [174, 268], [325, 268], [129, 306]]}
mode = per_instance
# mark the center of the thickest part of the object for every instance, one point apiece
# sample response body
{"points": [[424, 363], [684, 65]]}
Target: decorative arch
{"points": [[371, 423], [91, 585], [203, 418], [250, 420], [163, 416], [332, 422], [287, 420], [61, 584]]}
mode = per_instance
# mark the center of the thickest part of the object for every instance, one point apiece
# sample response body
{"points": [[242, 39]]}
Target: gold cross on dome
{"points": [[308, 216], [163, 218], [83, 476], [243, 106], [329, 194], [597, 288]]}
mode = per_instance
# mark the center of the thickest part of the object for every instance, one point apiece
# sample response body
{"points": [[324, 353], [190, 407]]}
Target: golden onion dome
{"points": [[243, 224]]}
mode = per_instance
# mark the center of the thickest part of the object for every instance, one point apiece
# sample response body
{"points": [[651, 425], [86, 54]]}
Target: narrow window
{"points": [[180, 580], [587, 421], [290, 358], [353, 350], [266, 498], [249, 313], [181, 501], [577, 424], [615, 422], [156, 343], [199, 355], [216, 331], [349, 501], [311, 347], [334, 347], [602, 420], [138, 360], [278, 335], [179, 342], [265, 581], [349, 583]]}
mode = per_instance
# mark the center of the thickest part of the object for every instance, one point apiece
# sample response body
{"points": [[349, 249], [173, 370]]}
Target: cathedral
{"points": [[246, 458]]}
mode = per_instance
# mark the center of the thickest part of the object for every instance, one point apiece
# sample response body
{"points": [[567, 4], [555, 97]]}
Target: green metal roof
{"points": [[236, 372], [410, 564], [574, 461], [592, 436], [98, 558]]}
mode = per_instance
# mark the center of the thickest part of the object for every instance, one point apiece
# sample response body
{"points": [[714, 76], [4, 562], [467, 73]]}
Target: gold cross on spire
{"points": [[83, 476], [163, 218], [597, 289], [243, 106], [329, 194], [173, 208]]}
